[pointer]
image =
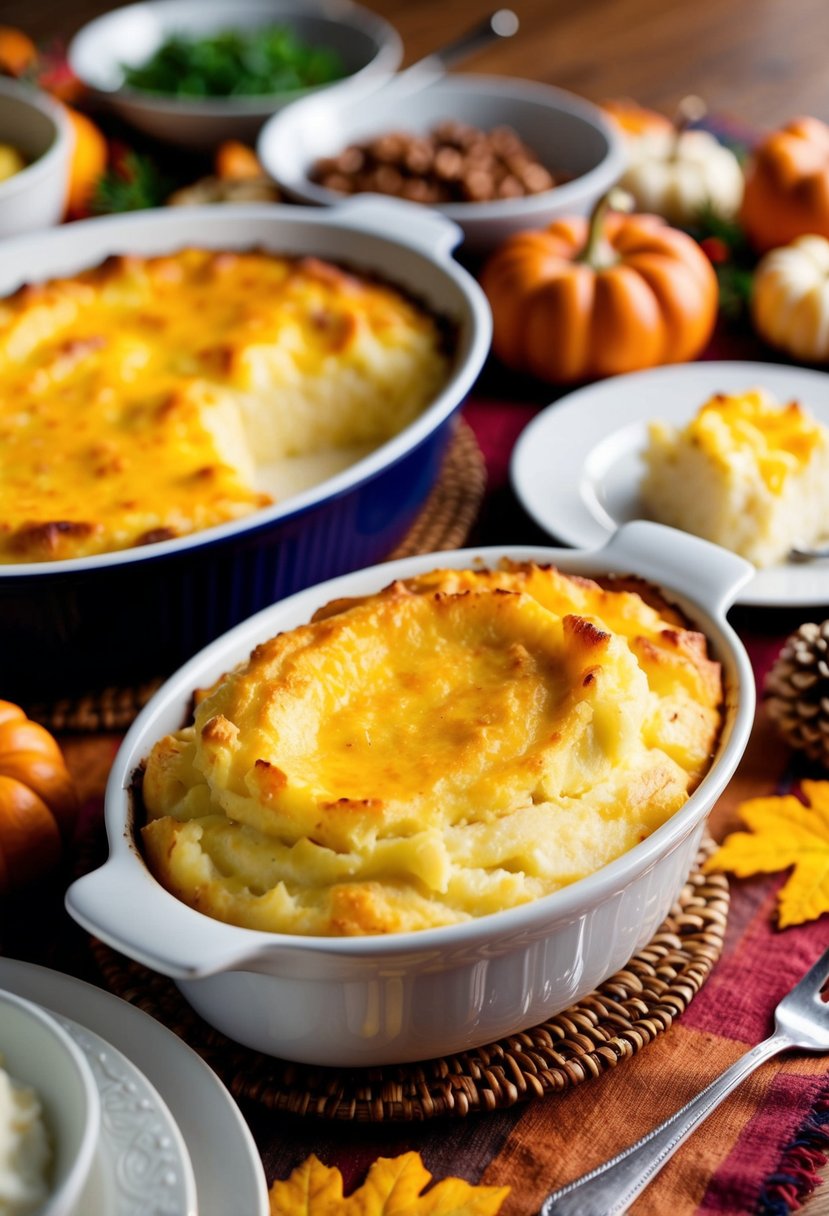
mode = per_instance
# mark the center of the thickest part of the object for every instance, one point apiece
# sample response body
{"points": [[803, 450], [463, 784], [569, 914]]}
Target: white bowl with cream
{"points": [[39, 1055], [360, 1001]]}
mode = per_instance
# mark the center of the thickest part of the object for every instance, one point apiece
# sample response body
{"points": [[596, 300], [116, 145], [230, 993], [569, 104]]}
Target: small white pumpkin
{"points": [[790, 298], [679, 173]]}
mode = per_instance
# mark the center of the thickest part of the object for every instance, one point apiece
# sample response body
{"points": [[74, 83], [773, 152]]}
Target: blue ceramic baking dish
{"points": [[119, 618]]}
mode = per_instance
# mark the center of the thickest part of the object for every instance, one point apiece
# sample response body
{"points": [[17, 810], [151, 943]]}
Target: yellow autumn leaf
{"points": [[311, 1188], [784, 833], [394, 1187]]}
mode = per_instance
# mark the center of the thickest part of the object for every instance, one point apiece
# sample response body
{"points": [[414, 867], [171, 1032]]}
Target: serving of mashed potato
{"points": [[25, 1154], [746, 472], [457, 744]]}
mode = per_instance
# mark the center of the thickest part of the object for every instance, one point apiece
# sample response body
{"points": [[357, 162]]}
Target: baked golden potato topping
{"points": [[745, 472], [779, 440], [454, 745], [152, 397]]}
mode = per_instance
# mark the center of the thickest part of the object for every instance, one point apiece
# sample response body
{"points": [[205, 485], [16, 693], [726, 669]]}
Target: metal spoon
{"points": [[502, 23]]}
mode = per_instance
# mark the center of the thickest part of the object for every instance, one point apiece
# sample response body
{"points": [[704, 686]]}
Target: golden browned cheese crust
{"points": [[152, 397], [456, 744]]}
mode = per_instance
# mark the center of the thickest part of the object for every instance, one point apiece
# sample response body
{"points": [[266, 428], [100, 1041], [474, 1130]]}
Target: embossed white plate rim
{"points": [[146, 1118], [562, 456], [226, 1164]]}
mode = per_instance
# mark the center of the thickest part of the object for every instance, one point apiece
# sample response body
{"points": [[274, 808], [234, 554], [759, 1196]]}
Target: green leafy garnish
{"points": [[235, 64], [132, 185]]}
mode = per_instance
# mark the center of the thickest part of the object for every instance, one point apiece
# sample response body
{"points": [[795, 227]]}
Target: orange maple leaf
{"points": [[394, 1186], [784, 833]]}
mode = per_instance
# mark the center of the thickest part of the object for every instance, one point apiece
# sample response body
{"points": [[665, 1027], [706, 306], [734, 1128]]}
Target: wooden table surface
{"points": [[760, 60], [757, 61]]}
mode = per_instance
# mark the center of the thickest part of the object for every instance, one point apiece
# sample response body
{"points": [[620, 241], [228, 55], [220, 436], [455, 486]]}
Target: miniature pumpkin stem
{"points": [[597, 251], [690, 110]]}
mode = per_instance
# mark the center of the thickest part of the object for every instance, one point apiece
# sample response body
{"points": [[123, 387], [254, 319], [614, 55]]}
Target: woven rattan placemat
{"points": [[604, 1029], [443, 523]]}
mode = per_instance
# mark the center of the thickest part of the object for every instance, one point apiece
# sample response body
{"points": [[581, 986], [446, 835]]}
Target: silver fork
{"points": [[800, 1020]]}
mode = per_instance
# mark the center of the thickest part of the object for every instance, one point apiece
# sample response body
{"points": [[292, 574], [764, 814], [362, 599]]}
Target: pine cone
{"points": [[796, 691]]}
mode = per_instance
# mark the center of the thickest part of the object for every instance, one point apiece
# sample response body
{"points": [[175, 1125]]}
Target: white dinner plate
{"points": [[576, 467], [226, 1165], [141, 1163]]}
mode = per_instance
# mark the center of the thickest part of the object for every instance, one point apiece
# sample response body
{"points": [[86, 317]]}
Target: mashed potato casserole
{"points": [[454, 745], [152, 397], [746, 472]]}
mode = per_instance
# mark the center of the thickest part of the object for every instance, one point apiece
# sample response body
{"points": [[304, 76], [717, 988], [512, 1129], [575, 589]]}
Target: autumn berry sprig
{"points": [[726, 246]]}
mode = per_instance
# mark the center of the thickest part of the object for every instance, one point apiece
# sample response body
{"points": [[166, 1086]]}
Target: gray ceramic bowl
{"points": [[570, 136], [38, 127], [370, 48]]}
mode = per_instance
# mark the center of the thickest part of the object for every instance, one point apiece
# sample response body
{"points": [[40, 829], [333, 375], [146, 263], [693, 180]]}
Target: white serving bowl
{"points": [[408, 996], [569, 136], [37, 126], [38, 1052], [370, 49]]}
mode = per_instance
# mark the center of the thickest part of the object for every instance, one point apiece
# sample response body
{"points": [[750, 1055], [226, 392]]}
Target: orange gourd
{"points": [[17, 51], [37, 799], [235, 161], [88, 164], [634, 120], [584, 299], [787, 185]]}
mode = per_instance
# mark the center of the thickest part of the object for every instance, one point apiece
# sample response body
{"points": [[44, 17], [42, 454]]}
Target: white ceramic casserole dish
{"points": [[408, 996], [118, 618]]}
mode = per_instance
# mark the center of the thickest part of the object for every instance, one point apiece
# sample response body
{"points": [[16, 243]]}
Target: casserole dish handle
{"points": [[411, 223], [704, 572], [113, 903]]}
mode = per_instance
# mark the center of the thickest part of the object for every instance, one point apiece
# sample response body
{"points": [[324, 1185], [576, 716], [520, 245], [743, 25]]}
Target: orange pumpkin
{"points": [[787, 185], [37, 799], [584, 299], [17, 51], [634, 120], [89, 161], [235, 161]]}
